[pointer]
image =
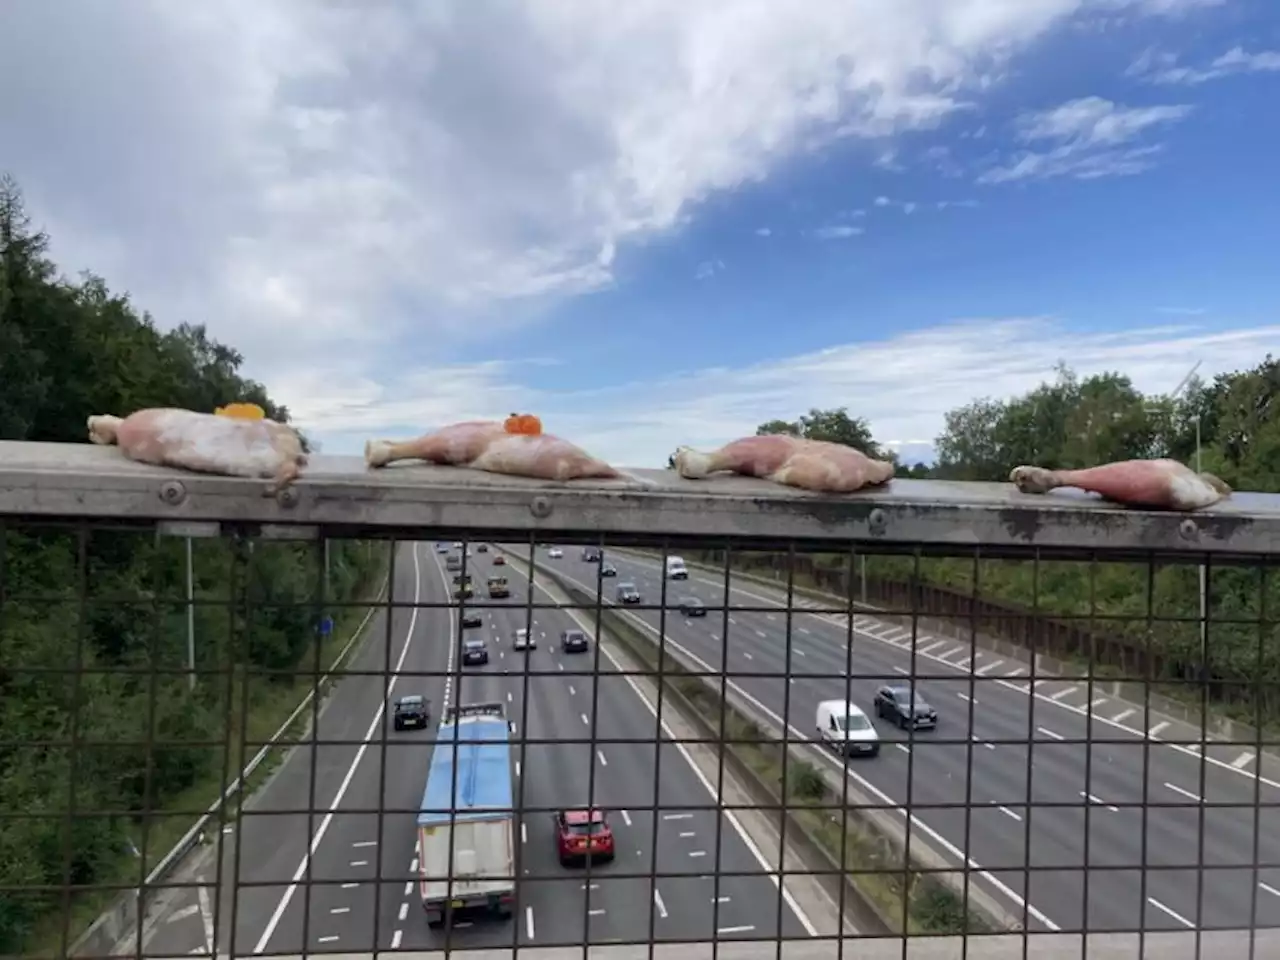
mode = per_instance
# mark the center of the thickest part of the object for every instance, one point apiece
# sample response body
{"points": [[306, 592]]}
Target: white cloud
{"points": [[1086, 139], [882, 201], [708, 269], [1161, 67], [330, 185], [904, 385], [763, 232], [837, 232]]}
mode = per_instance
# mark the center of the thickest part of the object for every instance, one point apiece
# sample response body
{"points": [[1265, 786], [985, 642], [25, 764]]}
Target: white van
{"points": [[844, 727], [676, 569]]}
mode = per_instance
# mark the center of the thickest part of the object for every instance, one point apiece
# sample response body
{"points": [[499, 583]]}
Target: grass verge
{"points": [[270, 703]]}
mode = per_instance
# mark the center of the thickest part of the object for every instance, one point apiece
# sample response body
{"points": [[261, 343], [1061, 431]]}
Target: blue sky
{"points": [[666, 226]]}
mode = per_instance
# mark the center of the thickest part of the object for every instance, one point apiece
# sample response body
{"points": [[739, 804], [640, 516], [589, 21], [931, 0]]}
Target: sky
{"points": [[656, 222]]}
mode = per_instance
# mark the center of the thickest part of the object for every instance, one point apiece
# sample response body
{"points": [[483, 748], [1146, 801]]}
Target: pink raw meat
{"points": [[1163, 484], [205, 443], [808, 464], [486, 445]]}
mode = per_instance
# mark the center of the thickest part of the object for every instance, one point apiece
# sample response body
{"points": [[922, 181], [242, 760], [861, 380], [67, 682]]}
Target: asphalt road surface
{"points": [[355, 890], [981, 699]]}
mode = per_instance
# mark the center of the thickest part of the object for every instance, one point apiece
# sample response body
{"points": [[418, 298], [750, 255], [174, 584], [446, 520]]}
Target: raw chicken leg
{"points": [[815, 465], [1164, 484], [206, 443], [516, 447]]}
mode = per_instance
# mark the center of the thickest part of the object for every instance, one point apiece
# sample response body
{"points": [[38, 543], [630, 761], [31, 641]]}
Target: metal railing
{"points": [[204, 759]]}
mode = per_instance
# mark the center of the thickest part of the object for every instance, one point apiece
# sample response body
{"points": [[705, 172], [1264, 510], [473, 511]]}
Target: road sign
{"points": [[326, 626]]}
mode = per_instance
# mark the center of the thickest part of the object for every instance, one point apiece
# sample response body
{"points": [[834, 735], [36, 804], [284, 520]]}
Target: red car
{"points": [[499, 560], [581, 834]]}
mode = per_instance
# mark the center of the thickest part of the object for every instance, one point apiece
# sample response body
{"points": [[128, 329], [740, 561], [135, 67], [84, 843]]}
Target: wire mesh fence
{"points": [[367, 745]]}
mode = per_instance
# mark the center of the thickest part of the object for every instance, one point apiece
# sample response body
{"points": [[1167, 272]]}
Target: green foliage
{"points": [[114, 601]]}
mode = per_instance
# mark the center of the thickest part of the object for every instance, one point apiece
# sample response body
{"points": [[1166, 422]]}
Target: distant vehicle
{"points": [[897, 703], [555, 553], [470, 828], [442, 548], [471, 618], [573, 641], [498, 587], [692, 607], [627, 593], [524, 640], [676, 569], [474, 651], [499, 560], [411, 710], [608, 570], [452, 563], [591, 554], [457, 544], [844, 727], [482, 548], [583, 835], [464, 591]]}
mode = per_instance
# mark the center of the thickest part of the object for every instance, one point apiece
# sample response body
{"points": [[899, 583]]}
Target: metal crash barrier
{"points": [[708, 718]]}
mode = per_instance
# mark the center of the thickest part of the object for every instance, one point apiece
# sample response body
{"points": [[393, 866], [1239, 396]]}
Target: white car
{"points": [[555, 553], [844, 727], [524, 640]]}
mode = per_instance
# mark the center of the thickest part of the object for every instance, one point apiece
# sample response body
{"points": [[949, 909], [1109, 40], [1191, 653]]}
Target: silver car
{"points": [[524, 640]]}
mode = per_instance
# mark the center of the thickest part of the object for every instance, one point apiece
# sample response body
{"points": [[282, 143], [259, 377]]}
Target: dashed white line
{"points": [[183, 913], [626, 817], [1102, 803], [746, 929], [1050, 734], [1097, 702], [517, 768], [677, 816], [408, 889], [1155, 731], [413, 865], [697, 853], [584, 719], [806, 631], [603, 761], [365, 843], [1243, 760], [396, 937], [799, 653], [720, 899], [1268, 889], [965, 696], [528, 921], [1123, 715], [1007, 812], [350, 886], [989, 667], [326, 940], [976, 739], [902, 670], [1177, 916], [508, 696], [1186, 793], [933, 646], [572, 691], [344, 910], [1064, 692], [747, 655], [524, 834], [359, 863], [404, 911], [903, 747], [689, 833], [598, 912], [657, 902]]}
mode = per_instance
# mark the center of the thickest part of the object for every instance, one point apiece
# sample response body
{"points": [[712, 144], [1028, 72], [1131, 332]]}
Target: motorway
{"points": [[366, 859], [990, 714]]}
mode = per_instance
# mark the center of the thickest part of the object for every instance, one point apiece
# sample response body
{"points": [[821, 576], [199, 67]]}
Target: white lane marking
{"points": [[1050, 734], [350, 886], [902, 670], [976, 739], [626, 817], [584, 719], [1010, 813], [603, 761], [746, 929], [657, 902], [572, 692], [1269, 889], [965, 663], [989, 667], [1100, 802], [517, 768], [404, 911], [413, 865], [326, 939], [689, 833], [183, 913], [206, 916], [800, 653], [408, 888], [395, 939], [1037, 684], [1155, 731], [365, 843], [598, 912], [903, 747], [677, 816], [1177, 916], [1186, 793], [1064, 692], [593, 886], [747, 655], [1243, 760], [1097, 702], [359, 863], [697, 853], [965, 696], [951, 653], [513, 728], [1016, 672], [933, 646], [806, 631], [720, 899], [1124, 715], [524, 834], [508, 696], [761, 634], [528, 921], [346, 910]]}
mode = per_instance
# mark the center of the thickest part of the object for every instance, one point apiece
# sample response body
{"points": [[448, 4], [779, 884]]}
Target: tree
{"points": [[69, 349], [834, 426]]}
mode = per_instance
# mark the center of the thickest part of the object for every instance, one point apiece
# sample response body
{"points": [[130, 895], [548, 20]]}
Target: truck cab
{"points": [[676, 570]]}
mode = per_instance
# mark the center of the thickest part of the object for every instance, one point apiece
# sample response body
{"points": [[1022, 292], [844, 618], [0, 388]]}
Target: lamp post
{"points": [[191, 620]]}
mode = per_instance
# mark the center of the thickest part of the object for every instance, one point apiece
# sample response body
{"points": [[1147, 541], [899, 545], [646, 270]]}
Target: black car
{"points": [[470, 619], [591, 554], [608, 570], [474, 651], [692, 607], [905, 709], [627, 593], [411, 710], [482, 548], [573, 641]]}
